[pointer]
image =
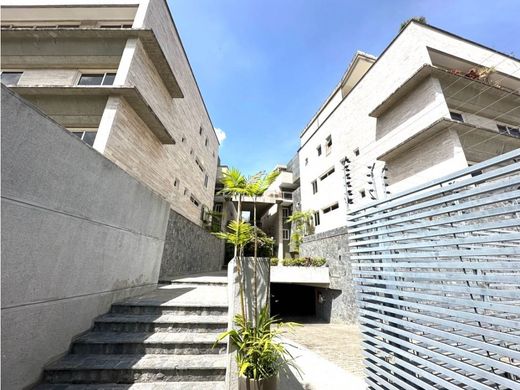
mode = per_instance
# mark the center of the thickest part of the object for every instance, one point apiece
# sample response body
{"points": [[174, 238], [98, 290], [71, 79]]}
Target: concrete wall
{"points": [[339, 305], [78, 233], [189, 248]]}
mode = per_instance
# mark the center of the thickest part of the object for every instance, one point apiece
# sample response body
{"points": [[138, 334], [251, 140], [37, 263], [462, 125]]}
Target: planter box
{"points": [[311, 276]]}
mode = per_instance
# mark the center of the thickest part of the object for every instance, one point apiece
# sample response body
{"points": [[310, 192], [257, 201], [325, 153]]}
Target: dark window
{"points": [[206, 142], [316, 218], [330, 208], [217, 208], [183, 139], [11, 78], [200, 130], [306, 161], [285, 234], [327, 174], [314, 186], [176, 182], [109, 79], [91, 79], [456, 116], [328, 143], [194, 200], [505, 129], [97, 79], [356, 152], [86, 136], [199, 164], [362, 193], [318, 149], [206, 178]]}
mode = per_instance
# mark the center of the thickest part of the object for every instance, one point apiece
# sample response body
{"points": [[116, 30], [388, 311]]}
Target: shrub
{"points": [[304, 262], [274, 261]]}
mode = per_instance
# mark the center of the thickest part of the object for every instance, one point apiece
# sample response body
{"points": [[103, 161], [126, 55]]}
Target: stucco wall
{"points": [[78, 233], [189, 248], [339, 305]]}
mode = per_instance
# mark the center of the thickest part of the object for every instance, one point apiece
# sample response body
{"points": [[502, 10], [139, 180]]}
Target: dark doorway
{"points": [[292, 300]]}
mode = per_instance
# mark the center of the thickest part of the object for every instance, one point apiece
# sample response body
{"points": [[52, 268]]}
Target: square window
{"points": [[109, 79], [456, 116], [11, 78]]}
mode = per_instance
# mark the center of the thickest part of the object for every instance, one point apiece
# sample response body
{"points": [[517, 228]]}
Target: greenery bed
{"points": [[300, 262]]}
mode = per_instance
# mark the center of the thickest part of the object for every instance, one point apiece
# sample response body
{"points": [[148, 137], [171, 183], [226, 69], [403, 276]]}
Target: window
{"points": [[200, 130], [328, 144], [199, 164], [176, 182], [330, 208], [191, 152], [456, 116], [217, 208], [318, 149], [356, 152], [206, 142], [115, 26], [97, 79], [306, 161], [285, 234], [206, 178], [183, 139], [194, 200], [87, 136], [327, 174], [285, 213], [185, 190], [314, 186], [362, 193], [505, 129], [11, 78], [316, 218]]}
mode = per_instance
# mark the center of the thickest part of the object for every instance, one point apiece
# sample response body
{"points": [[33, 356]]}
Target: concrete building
{"points": [[430, 104], [114, 73]]}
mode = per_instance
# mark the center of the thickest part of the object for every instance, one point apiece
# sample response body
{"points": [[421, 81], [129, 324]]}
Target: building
{"points": [[430, 104], [116, 75], [273, 208]]}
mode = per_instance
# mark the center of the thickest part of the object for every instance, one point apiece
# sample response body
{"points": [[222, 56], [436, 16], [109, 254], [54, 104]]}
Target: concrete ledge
{"points": [[311, 276]]}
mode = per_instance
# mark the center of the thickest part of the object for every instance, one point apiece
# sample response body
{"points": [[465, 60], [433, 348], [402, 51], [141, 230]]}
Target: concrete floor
{"points": [[338, 343]]}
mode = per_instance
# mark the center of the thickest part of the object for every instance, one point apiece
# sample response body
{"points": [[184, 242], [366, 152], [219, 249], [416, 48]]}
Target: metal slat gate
{"points": [[437, 277]]}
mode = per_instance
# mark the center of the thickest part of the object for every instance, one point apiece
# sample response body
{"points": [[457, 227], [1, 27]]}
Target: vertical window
{"points": [[206, 142], [318, 150], [176, 182], [185, 190], [314, 186], [356, 152], [285, 234], [306, 161], [217, 208], [11, 78], [200, 130], [316, 218], [328, 144], [363, 193], [206, 178], [285, 213]]}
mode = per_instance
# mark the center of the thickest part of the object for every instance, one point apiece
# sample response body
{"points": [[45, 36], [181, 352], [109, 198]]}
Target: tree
{"points": [[420, 19], [303, 226]]}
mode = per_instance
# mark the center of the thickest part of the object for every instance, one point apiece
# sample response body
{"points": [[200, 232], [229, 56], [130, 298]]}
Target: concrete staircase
{"points": [[162, 340]]}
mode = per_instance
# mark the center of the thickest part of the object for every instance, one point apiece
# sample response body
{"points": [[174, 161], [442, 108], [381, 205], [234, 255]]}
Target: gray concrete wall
{"points": [[339, 304], [189, 248], [78, 233]]}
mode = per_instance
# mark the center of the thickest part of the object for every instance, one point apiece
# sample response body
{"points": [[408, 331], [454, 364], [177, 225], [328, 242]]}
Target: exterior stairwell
{"points": [[161, 340]]}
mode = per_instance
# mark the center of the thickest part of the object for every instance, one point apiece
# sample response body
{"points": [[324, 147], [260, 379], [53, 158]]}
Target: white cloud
{"points": [[221, 134]]}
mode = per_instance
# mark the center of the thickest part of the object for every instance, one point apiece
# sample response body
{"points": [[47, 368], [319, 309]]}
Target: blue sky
{"points": [[264, 67]]}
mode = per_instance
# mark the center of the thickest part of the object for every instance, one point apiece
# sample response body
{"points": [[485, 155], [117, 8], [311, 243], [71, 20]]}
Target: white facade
{"points": [[396, 113]]}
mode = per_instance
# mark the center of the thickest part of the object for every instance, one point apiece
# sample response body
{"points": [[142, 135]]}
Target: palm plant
{"points": [[257, 185], [303, 226]]}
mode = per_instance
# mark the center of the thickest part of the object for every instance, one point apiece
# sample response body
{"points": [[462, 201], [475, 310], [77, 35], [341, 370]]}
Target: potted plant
{"points": [[259, 355]]}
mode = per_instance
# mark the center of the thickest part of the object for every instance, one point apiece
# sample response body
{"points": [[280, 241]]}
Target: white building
{"points": [[430, 104]]}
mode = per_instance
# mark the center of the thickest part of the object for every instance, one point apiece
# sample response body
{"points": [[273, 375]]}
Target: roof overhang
{"points": [[443, 75], [130, 93], [437, 127], [146, 37]]}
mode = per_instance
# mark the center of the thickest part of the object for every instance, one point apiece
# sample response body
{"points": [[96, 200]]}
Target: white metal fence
{"points": [[437, 274]]}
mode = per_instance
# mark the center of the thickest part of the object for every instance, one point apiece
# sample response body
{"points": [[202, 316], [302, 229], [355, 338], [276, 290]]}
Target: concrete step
{"points": [[162, 323], [177, 309], [90, 369], [205, 279], [138, 386], [148, 343]]}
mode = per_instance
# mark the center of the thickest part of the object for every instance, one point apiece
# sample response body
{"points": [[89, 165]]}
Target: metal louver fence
{"points": [[437, 277]]}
